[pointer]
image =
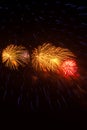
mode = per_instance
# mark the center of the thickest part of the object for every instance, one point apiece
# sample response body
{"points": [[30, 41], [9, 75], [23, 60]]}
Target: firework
{"points": [[48, 57], [69, 68], [14, 55]]}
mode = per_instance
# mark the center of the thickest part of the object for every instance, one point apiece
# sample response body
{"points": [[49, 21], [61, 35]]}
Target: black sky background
{"points": [[64, 23]]}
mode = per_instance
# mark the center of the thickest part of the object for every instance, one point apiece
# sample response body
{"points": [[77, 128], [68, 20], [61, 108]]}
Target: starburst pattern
{"points": [[14, 55], [48, 57]]}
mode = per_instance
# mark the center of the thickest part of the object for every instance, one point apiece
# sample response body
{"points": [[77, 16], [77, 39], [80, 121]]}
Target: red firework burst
{"points": [[69, 68]]}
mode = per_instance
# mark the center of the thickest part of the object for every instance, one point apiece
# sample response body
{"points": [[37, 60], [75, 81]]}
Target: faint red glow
{"points": [[69, 68]]}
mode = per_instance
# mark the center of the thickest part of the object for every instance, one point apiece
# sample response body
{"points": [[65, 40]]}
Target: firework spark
{"points": [[48, 57], [14, 55]]}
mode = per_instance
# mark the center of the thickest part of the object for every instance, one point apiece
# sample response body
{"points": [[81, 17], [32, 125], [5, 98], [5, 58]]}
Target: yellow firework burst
{"points": [[48, 57], [14, 55]]}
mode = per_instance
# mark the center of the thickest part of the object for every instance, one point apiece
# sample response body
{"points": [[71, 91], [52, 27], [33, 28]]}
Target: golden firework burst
{"points": [[14, 55], [48, 57]]}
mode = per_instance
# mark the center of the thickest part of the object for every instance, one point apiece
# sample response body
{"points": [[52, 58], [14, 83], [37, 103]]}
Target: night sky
{"points": [[31, 24]]}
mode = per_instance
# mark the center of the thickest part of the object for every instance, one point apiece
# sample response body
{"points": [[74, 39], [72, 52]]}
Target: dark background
{"points": [[64, 23]]}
